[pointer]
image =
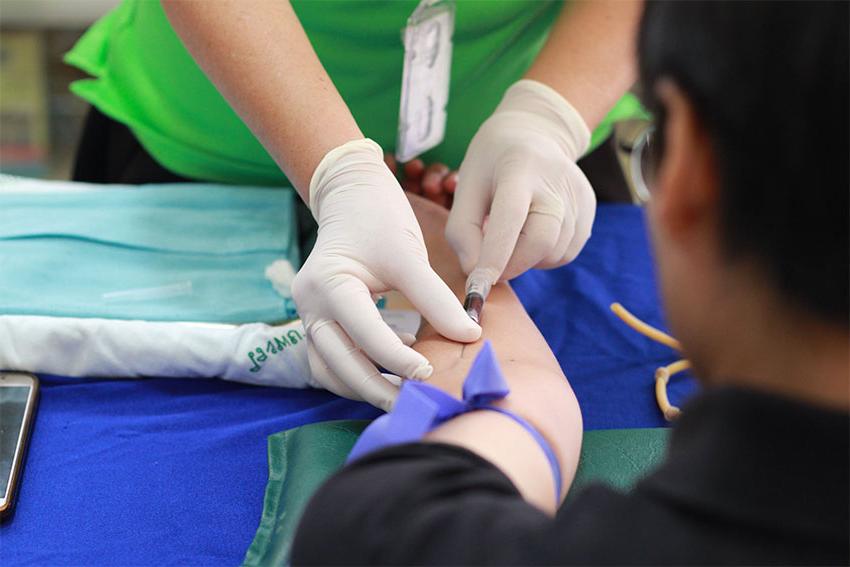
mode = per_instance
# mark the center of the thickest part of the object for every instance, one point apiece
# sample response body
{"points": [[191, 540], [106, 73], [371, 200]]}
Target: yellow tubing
{"points": [[643, 328], [663, 374], [662, 377]]}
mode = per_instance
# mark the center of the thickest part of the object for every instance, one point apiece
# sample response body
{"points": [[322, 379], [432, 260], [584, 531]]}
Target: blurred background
{"points": [[40, 120]]}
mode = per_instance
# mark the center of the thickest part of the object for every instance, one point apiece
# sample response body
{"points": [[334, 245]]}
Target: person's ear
{"points": [[686, 190]]}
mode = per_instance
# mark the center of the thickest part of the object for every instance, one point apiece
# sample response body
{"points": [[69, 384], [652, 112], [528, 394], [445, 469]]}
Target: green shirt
{"points": [[145, 78]]}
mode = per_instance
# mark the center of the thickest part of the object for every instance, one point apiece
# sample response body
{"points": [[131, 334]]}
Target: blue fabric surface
{"points": [[98, 252], [172, 472], [610, 366]]}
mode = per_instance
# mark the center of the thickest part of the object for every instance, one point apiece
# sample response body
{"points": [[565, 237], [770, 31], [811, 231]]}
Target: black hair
{"points": [[769, 83]]}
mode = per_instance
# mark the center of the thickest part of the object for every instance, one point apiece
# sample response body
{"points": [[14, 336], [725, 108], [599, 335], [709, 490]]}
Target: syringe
{"points": [[473, 304], [477, 290]]}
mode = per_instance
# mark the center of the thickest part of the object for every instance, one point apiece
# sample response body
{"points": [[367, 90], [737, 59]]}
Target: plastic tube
{"points": [[149, 293]]}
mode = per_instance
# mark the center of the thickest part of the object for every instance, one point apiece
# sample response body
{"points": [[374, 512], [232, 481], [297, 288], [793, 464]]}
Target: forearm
{"points": [[433, 502], [589, 57], [260, 59], [539, 391]]}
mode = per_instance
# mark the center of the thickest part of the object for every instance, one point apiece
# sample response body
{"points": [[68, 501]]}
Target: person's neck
{"points": [[758, 341]]}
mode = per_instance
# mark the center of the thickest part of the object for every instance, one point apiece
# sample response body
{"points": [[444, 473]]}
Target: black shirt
{"points": [[748, 479]]}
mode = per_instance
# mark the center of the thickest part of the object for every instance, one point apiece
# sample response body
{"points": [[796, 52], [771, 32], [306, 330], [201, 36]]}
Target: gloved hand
{"points": [[520, 170], [368, 243]]}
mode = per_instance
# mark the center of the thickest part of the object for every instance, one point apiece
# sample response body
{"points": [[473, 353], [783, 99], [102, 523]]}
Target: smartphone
{"points": [[18, 396]]}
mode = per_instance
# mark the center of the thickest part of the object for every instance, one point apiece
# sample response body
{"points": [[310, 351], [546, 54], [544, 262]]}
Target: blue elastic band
{"points": [[547, 449], [421, 408]]}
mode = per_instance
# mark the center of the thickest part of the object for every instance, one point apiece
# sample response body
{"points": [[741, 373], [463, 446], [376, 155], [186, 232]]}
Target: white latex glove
{"points": [[368, 243], [520, 170]]}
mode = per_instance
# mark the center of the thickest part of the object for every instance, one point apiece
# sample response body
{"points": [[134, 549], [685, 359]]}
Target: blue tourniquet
{"points": [[421, 408]]}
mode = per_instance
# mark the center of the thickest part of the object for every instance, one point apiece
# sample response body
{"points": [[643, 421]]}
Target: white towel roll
{"points": [[254, 353]]}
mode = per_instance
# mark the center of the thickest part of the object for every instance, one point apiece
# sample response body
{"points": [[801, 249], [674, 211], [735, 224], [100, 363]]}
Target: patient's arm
{"points": [[539, 391]]}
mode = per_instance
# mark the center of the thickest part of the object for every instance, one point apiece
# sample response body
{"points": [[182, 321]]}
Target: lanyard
{"points": [[425, 78]]}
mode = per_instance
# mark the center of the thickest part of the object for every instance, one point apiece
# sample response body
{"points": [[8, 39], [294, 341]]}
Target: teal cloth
{"points": [[301, 459], [66, 252]]}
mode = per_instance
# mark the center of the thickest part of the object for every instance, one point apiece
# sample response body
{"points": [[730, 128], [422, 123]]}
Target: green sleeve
{"points": [[627, 108]]}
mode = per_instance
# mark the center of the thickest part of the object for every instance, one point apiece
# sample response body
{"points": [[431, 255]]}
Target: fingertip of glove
{"points": [[407, 339], [387, 404], [470, 333], [423, 372], [467, 262]]}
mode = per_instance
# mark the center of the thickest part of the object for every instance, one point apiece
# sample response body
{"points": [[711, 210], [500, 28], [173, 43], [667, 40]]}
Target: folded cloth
{"points": [[171, 252], [256, 353], [99, 280]]}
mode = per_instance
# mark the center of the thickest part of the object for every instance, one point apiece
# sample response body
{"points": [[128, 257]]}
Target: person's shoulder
{"points": [[602, 524], [648, 525]]}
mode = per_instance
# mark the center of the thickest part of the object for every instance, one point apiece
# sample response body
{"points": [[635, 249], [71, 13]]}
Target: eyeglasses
{"points": [[643, 164]]}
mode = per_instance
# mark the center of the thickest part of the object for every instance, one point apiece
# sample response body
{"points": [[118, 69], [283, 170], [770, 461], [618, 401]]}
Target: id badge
{"points": [[425, 78]]}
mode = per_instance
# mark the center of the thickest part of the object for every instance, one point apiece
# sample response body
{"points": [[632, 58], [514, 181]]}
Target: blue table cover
{"points": [[172, 472]]}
